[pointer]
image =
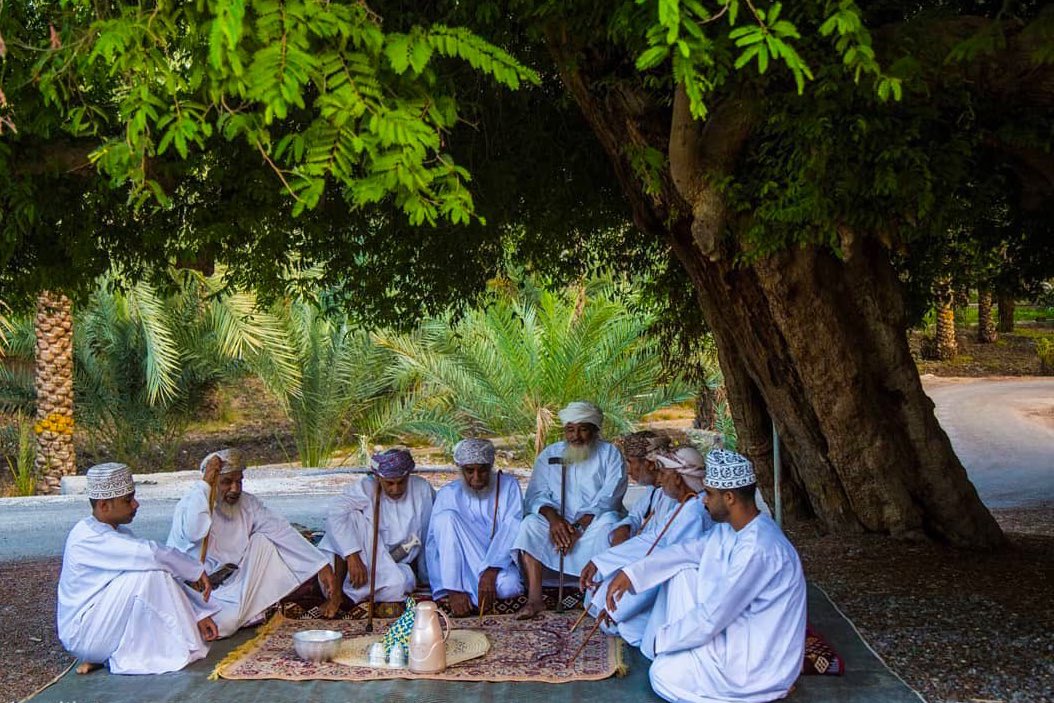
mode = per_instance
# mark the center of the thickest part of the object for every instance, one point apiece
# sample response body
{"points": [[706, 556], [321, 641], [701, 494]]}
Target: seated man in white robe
{"points": [[642, 470], [679, 516], [123, 600], [591, 500], [404, 505], [729, 621], [254, 556], [475, 520]]}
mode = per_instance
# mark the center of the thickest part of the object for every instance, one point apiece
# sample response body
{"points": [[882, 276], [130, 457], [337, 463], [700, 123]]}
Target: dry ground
{"points": [[958, 626]]}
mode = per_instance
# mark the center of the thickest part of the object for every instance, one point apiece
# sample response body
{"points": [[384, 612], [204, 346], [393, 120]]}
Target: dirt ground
{"points": [[959, 626], [1011, 355]]}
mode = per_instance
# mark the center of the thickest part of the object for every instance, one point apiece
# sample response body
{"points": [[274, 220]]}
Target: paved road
{"points": [[994, 425], [1003, 432]]}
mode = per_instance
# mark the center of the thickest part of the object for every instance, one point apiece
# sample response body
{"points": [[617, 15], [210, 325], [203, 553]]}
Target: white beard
{"points": [[229, 511], [578, 453]]}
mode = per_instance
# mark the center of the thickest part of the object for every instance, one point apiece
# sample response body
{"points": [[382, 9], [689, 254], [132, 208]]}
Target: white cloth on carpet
{"points": [[121, 600], [594, 487], [349, 530], [631, 615], [460, 547], [265, 574], [728, 623]]}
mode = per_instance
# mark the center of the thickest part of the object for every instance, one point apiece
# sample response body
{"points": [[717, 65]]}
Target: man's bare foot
{"points": [[330, 608], [531, 610], [87, 667], [460, 604]]}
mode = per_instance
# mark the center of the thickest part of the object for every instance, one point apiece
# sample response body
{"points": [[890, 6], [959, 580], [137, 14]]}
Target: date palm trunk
{"points": [[54, 388]]}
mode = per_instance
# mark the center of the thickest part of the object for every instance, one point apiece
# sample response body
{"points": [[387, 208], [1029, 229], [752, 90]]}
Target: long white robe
{"points": [[594, 487], [631, 615], [121, 600], [460, 547], [729, 621], [273, 559], [349, 530]]}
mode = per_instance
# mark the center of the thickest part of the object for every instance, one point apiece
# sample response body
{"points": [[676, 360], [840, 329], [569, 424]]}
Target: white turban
{"points": [[727, 470], [111, 480], [474, 451], [580, 411], [687, 462], [231, 460]]}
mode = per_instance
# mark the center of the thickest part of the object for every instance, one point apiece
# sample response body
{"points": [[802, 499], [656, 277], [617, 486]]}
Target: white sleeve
{"points": [[663, 564]]}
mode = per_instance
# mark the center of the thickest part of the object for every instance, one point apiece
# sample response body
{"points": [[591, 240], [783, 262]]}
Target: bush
{"points": [[1045, 349], [20, 458]]}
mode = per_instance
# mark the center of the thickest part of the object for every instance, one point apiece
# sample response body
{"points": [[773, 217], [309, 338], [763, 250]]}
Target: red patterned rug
{"points": [[531, 650]]}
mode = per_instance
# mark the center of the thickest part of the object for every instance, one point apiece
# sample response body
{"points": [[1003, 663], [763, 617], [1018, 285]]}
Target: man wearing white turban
{"points": [[474, 523], [123, 600], [591, 502], [677, 516], [264, 558], [728, 624]]}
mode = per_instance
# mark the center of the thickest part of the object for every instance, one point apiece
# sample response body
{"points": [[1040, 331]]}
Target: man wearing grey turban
{"points": [[474, 523], [224, 526], [570, 520]]}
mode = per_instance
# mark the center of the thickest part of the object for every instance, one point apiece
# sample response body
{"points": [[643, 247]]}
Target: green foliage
{"points": [[512, 362], [1045, 351], [21, 463]]}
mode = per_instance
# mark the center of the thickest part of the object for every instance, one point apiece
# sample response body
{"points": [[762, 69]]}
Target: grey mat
{"points": [[867, 680]]}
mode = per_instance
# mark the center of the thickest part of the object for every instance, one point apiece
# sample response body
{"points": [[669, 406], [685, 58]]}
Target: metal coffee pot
{"points": [[428, 640]]}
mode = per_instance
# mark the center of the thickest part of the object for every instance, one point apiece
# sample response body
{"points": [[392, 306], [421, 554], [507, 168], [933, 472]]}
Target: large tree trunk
{"points": [[986, 333], [54, 386], [946, 344], [1006, 313], [814, 342]]}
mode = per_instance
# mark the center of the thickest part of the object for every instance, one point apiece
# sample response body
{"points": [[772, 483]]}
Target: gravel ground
{"points": [[959, 627]]}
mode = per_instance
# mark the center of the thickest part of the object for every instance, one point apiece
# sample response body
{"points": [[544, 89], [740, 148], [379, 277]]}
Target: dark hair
{"points": [[745, 494], [94, 502]]}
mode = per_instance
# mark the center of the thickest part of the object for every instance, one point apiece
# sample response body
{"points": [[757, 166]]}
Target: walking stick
{"points": [[493, 528], [212, 506], [603, 611], [563, 499], [373, 554]]}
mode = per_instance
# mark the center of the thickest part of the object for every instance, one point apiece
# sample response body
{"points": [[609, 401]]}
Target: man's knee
{"points": [[509, 584]]}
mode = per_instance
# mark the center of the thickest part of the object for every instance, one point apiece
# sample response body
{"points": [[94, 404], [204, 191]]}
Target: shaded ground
{"points": [[1011, 355], [958, 626]]}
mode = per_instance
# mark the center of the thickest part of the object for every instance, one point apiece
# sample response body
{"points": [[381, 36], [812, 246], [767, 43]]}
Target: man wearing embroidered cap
{"points": [[474, 524], [405, 508], [678, 516], [232, 530], [122, 600], [592, 502], [729, 620]]}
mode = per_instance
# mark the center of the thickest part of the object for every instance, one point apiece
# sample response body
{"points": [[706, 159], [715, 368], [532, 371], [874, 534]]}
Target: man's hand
{"points": [[585, 521], [561, 534], [328, 581], [619, 585], [212, 470], [488, 588], [357, 572], [204, 586], [208, 630], [585, 579], [619, 535]]}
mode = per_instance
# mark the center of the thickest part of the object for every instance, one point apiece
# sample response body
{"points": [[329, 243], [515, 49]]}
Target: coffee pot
{"points": [[428, 640]]}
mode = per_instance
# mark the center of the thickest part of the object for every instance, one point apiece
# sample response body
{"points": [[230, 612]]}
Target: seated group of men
{"points": [[694, 575]]}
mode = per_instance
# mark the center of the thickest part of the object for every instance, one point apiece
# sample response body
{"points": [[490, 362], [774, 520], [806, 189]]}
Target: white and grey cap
{"points": [[474, 451], [111, 480], [727, 470]]}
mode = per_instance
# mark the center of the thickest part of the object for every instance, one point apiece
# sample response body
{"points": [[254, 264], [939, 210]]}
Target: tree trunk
{"points": [[54, 386], [946, 344], [1006, 313], [986, 333], [816, 342], [704, 409]]}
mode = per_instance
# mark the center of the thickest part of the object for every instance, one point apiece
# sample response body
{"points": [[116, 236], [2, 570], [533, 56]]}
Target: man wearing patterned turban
{"points": [[474, 524], [592, 502], [123, 600], [264, 558], [728, 623], [402, 524]]}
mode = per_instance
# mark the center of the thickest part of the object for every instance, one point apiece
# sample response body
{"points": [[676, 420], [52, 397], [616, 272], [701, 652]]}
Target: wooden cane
{"points": [[603, 612], [212, 506], [563, 494], [493, 529], [373, 554]]}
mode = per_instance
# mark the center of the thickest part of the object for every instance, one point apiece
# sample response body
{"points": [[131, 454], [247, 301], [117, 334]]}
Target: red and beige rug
{"points": [[532, 650]]}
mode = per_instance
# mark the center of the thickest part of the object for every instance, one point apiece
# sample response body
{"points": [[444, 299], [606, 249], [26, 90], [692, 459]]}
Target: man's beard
{"points": [[577, 453], [229, 510]]}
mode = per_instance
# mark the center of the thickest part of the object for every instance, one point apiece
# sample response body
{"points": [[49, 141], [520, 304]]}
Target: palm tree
{"points": [[512, 362], [54, 389]]}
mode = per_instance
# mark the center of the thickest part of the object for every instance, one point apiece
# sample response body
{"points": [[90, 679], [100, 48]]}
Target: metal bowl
{"points": [[317, 645]]}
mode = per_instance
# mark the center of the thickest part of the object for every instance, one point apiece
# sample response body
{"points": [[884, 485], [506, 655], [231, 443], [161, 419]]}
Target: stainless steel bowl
{"points": [[317, 645]]}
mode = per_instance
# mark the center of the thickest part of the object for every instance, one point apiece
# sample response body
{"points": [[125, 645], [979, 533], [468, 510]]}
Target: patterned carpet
{"points": [[534, 650]]}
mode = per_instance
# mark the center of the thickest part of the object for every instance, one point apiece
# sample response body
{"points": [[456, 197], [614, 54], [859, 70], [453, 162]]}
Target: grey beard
{"points": [[229, 511], [577, 453]]}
